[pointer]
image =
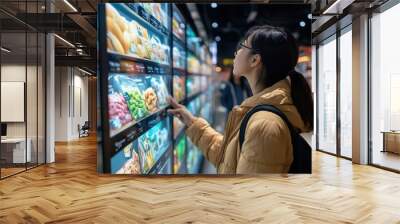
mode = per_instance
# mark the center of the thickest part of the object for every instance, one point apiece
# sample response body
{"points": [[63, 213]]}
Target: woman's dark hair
{"points": [[279, 54], [243, 83]]}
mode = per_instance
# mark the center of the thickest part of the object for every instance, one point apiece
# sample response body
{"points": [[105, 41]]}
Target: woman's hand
{"points": [[181, 112]]}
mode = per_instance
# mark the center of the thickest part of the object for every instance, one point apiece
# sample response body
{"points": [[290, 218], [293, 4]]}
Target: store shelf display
{"points": [[178, 24], [194, 106], [179, 88], [179, 155], [194, 158], [206, 69], [149, 54], [205, 111], [193, 64], [178, 127], [178, 57], [193, 42], [193, 85]]}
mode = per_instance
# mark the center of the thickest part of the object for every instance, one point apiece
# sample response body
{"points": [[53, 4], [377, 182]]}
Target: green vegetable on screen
{"points": [[136, 103]]}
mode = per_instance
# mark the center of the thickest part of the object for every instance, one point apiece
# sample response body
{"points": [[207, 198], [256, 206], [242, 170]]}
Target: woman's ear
{"points": [[255, 60]]}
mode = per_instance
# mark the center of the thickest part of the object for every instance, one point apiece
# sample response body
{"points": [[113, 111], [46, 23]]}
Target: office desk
{"points": [[391, 141], [13, 150]]}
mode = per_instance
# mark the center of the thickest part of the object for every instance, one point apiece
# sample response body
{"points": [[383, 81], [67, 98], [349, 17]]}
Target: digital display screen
{"points": [[143, 59]]}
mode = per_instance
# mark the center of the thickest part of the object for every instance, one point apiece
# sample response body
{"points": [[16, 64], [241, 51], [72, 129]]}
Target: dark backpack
{"points": [[301, 150]]}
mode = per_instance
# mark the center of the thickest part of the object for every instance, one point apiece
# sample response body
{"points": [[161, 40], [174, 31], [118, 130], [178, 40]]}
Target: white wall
{"points": [[81, 94], [71, 94], [33, 127], [16, 73], [61, 103]]}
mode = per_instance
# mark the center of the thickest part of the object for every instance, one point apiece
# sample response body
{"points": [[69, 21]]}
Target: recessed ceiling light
{"points": [[309, 16], [214, 5], [302, 24], [214, 25], [218, 38]]}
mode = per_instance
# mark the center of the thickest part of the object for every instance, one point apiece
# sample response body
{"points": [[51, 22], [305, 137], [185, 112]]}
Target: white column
{"points": [[360, 89], [50, 92]]}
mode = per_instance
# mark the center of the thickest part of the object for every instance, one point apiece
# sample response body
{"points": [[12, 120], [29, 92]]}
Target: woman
{"points": [[267, 59]]}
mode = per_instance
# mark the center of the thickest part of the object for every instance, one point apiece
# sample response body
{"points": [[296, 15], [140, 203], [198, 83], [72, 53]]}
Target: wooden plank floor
{"points": [[70, 191]]}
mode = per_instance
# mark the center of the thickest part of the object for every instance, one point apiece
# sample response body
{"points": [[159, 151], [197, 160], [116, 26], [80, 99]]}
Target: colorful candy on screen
{"points": [[118, 111]]}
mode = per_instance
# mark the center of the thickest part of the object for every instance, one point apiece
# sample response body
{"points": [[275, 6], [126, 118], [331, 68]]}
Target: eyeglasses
{"points": [[241, 45]]}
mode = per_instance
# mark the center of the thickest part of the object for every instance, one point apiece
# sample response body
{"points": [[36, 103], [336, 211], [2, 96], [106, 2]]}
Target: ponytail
{"points": [[279, 54], [302, 98]]}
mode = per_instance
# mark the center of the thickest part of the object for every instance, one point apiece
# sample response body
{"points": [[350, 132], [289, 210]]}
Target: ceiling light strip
{"points": [[84, 71], [5, 50], [70, 5], [65, 41]]}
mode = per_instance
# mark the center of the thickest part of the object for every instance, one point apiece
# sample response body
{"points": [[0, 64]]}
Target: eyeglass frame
{"points": [[241, 44]]}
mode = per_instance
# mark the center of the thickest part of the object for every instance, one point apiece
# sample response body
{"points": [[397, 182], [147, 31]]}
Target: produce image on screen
{"points": [[178, 54], [127, 36], [178, 24], [120, 116], [179, 87], [132, 98], [153, 144], [126, 161]]}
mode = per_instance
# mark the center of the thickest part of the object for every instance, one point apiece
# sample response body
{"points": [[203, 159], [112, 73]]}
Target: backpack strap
{"points": [[262, 107]]}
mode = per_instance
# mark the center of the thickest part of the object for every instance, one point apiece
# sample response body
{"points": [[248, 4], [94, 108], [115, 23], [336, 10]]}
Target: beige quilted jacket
{"points": [[267, 147]]}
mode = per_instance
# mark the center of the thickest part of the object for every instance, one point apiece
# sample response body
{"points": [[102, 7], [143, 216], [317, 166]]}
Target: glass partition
{"points": [[346, 93], [13, 94], [385, 89], [22, 102], [326, 96]]}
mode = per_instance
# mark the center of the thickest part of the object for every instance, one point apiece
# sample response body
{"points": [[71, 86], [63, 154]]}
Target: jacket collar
{"points": [[277, 94]]}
